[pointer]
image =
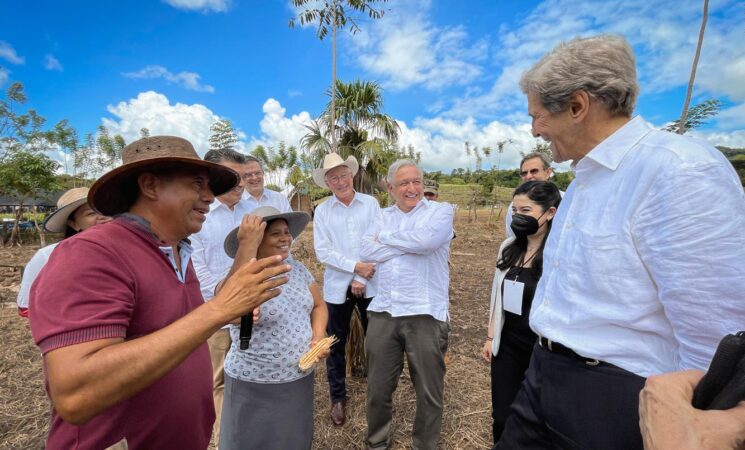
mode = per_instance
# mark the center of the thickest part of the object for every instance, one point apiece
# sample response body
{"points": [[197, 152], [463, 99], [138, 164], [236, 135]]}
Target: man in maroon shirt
{"points": [[119, 316]]}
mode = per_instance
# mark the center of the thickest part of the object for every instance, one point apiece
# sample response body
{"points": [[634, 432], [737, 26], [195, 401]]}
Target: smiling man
{"points": [[338, 225], [643, 268], [410, 242], [256, 194], [118, 315], [211, 263]]}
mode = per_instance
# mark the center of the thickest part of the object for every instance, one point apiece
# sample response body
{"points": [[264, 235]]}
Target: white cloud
{"points": [[276, 127], [294, 93], [201, 5], [52, 63], [4, 76], [406, 49], [155, 112], [8, 53], [731, 118], [188, 80]]}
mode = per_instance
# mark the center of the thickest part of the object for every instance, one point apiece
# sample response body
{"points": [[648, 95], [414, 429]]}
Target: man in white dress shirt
{"points": [[643, 269], [256, 194], [410, 242], [533, 167], [212, 264], [338, 225]]}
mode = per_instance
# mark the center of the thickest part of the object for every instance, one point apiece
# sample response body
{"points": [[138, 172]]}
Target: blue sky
{"points": [[449, 69]]}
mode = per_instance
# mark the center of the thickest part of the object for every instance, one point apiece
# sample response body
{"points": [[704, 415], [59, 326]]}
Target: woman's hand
{"points": [[323, 354], [486, 350]]}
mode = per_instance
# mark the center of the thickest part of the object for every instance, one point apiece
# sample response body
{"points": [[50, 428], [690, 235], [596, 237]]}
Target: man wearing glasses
{"points": [[533, 167], [348, 283], [256, 194]]}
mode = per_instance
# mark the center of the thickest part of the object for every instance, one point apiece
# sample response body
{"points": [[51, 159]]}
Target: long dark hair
{"points": [[545, 194]]}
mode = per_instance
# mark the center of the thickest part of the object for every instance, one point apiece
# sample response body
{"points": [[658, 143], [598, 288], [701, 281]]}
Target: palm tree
{"points": [[682, 121], [330, 14], [359, 127]]}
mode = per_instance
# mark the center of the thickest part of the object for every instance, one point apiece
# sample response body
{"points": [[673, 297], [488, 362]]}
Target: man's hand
{"points": [[251, 285], [357, 288], [668, 421], [365, 270]]}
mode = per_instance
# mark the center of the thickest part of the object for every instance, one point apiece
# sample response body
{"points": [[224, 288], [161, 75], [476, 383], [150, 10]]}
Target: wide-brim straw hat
{"points": [[151, 153], [330, 161], [296, 222], [66, 205]]}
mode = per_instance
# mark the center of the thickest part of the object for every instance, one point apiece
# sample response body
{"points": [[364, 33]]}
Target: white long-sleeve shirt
{"points": [[337, 238], [411, 251], [210, 261], [268, 198], [31, 271], [644, 264]]}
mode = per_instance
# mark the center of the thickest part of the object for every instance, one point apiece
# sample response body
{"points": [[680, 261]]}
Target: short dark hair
{"points": [[531, 155], [225, 154], [251, 158]]}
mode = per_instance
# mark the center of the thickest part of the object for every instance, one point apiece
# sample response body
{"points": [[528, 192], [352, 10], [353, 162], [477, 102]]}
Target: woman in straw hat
{"points": [[72, 216], [268, 400]]}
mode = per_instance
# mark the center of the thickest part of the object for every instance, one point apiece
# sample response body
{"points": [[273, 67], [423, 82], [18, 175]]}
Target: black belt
{"points": [[555, 347]]}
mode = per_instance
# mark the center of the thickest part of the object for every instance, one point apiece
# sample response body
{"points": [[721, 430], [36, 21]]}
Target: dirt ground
{"points": [[24, 407]]}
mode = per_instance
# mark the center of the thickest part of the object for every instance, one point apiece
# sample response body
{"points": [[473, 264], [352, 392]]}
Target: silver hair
{"points": [[399, 164], [603, 66]]}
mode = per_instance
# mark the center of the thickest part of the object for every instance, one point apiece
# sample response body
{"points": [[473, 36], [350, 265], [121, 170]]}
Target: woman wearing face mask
{"points": [[72, 216], [510, 340]]}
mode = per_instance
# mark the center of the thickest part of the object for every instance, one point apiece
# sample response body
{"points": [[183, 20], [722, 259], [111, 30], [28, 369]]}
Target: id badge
{"points": [[513, 296]]}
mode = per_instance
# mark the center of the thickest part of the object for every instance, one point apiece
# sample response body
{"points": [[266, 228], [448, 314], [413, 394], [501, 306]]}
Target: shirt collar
{"points": [[423, 203], [143, 224], [614, 148], [336, 200], [251, 197]]}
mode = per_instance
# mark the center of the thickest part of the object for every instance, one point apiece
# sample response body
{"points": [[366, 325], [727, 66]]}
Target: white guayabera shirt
{"points": [[337, 237], [644, 264], [411, 250], [268, 198]]}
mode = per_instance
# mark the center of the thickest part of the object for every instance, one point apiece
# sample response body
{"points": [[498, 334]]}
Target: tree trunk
{"points": [[333, 83], [15, 237], [40, 230], [682, 123]]}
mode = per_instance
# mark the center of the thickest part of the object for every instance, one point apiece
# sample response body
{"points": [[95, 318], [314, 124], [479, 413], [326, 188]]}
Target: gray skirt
{"points": [[267, 416]]}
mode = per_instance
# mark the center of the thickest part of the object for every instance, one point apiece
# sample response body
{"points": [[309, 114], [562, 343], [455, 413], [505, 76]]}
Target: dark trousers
{"points": [[338, 325], [507, 374], [564, 403]]}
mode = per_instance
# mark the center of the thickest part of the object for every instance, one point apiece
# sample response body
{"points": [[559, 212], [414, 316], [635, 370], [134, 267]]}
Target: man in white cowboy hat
{"points": [[256, 194], [118, 315], [212, 264], [72, 216], [348, 282], [410, 242]]}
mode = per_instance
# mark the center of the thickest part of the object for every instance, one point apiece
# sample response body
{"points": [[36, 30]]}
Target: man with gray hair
{"points": [[410, 242], [534, 166], [641, 275]]}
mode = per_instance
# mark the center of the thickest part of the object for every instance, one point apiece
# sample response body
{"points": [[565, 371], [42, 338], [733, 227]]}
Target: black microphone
{"points": [[247, 325]]}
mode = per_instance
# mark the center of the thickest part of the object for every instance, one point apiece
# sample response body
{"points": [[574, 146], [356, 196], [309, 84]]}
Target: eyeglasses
{"points": [[247, 176], [533, 172], [337, 178], [406, 183]]}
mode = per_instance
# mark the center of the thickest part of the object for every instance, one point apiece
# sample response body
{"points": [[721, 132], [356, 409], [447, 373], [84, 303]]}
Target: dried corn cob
{"points": [[309, 358]]}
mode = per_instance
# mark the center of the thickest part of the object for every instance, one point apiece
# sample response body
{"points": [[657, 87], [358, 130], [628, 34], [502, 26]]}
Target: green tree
{"points": [[144, 132], [276, 162], [696, 116], [100, 153], [223, 135], [543, 148], [334, 15], [362, 128]]}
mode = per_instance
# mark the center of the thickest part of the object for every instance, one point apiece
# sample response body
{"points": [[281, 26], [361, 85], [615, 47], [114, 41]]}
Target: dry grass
{"points": [[24, 407]]}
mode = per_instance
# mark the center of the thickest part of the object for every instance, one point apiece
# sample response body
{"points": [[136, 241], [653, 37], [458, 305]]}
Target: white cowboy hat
{"points": [[66, 205], [331, 161], [296, 221]]}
